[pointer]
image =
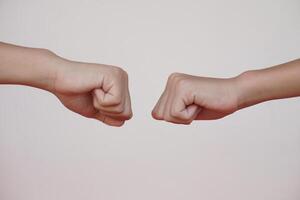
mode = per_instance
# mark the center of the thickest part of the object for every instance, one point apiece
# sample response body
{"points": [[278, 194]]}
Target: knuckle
{"points": [[178, 115], [112, 100], [125, 73], [117, 71], [110, 104], [178, 80], [120, 77], [181, 84], [156, 115], [95, 103], [117, 100], [174, 76], [174, 113], [118, 109], [128, 115], [170, 118]]}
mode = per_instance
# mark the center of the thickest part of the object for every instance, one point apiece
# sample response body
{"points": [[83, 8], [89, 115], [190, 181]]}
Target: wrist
{"points": [[248, 92], [27, 66], [47, 67]]}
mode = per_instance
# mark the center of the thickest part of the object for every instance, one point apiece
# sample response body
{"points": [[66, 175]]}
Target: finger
{"points": [[122, 111], [192, 109], [185, 113], [108, 98], [180, 107], [161, 107], [183, 107], [108, 120], [128, 108], [113, 88], [171, 95], [127, 111], [98, 103], [158, 110]]}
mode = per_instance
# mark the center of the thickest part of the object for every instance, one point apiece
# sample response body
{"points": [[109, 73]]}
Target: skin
{"points": [[91, 90], [101, 91], [187, 98]]}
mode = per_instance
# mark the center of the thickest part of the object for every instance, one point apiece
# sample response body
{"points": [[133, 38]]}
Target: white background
{"points": [[50, 153]]}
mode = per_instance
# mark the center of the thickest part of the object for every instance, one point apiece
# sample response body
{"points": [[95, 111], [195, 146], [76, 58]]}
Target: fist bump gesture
{"points": [[101, 91], [187, 98]]}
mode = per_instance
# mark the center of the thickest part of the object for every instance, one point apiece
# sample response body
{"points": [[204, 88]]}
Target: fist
{"points": [[187, 98], [94, 91]]}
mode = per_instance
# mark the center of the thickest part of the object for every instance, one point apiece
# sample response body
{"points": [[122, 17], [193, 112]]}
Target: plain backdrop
{"points": [[49, 153]]}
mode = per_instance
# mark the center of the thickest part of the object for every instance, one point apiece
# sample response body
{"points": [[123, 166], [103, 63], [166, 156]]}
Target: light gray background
{"points": [[50, 153]]}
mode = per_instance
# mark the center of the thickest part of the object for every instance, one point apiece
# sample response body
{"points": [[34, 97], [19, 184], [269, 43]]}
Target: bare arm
{"points": [[187, 98], [92, 90], [27, 66], [282, 81]]}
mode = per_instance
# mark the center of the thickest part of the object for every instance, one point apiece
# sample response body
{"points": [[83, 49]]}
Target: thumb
{"points": [[106, 98], [184, 112], [193, 111]]}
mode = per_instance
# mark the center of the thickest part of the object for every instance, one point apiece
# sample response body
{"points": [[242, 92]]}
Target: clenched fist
{"points": [[94, 91], [101, 91], [187, 98]]}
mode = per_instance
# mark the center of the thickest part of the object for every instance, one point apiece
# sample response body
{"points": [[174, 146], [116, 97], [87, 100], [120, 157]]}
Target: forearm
{"points": [[282, 81], [27, 66]]}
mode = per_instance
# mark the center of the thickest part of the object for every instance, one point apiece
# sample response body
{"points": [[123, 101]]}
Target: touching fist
{"points": [[187, 98], [94, 91]]}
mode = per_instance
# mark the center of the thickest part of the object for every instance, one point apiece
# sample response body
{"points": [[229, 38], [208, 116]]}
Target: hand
{"points": [[94, 91], [101, 91], [187, 98]]}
